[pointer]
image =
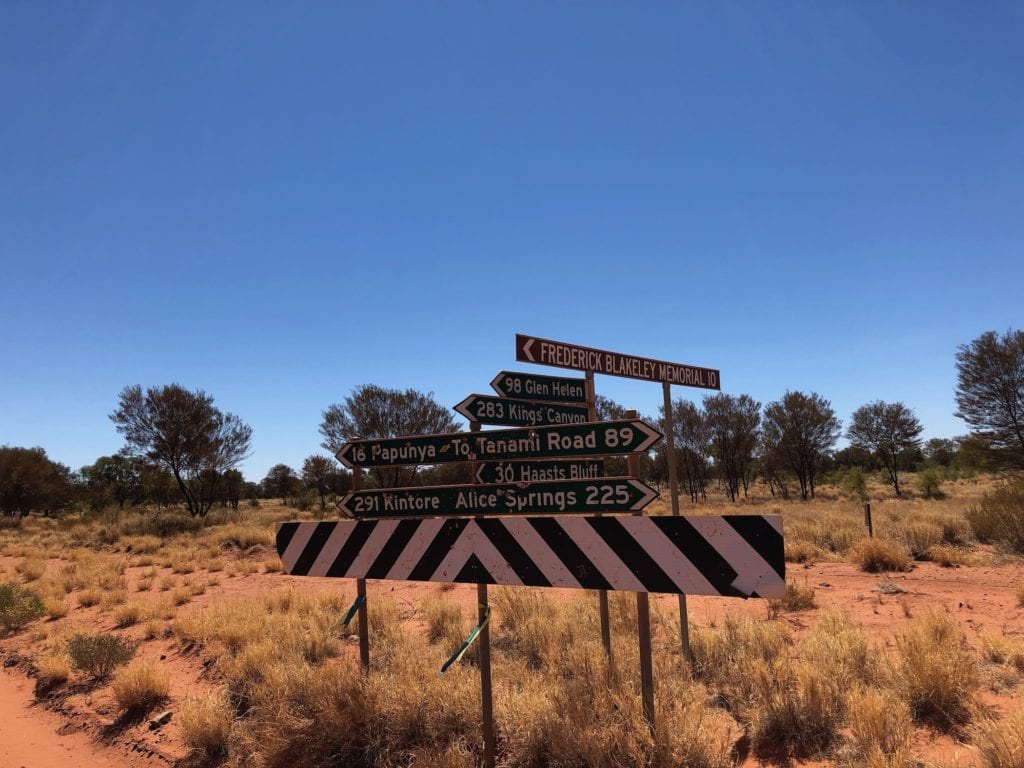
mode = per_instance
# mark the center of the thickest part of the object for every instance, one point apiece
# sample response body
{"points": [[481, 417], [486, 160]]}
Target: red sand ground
{"points": [[982, 600]]}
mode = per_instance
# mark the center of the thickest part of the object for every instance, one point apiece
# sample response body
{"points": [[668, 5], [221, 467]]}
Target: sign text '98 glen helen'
{"points": [[559, 354], [596, 438]]}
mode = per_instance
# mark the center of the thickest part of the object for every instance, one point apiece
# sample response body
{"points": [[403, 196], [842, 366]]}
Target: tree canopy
{"points": [[885, 429], [990, 393], [800, 431], [184, 433], [31, 482], [373, 411]]}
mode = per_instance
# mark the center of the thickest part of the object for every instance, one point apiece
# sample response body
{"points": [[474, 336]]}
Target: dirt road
{"points": [[29, 734]]}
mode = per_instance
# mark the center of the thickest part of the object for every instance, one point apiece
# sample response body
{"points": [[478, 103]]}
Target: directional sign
{"points": [[729, 555], [559, 354], [536, 471], [533, 386], [488, 409], [594, 438], [606, 494]]}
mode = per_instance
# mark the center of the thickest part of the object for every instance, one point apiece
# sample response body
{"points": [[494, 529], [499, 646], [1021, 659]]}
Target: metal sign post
{"points": [[673, 484], [643, 625]]}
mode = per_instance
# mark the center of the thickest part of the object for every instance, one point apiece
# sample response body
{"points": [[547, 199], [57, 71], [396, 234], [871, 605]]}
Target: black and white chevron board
{"points": [[728, 555]]}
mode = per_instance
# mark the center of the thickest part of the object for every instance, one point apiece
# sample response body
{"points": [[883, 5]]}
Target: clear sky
{"points": [[278, 202]]}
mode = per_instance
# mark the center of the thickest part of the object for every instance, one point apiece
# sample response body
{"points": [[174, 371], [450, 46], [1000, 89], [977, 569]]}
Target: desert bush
{"points": [[722, 656], [31, 568], [877, 556], [1001, 742], [18, 606], [797, 709], [935, 672], [52, 670], [919, 537], [855, 485], [837, 644], [879, 724], [205, 724], [798, 598], [140, 686], [929, 484], [443, 620], [999, 516], [800, 551], [98, 655], [127, 615]]}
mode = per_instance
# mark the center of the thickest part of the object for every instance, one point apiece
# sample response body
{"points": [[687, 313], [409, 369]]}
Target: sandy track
{"points": [[30, 738]]}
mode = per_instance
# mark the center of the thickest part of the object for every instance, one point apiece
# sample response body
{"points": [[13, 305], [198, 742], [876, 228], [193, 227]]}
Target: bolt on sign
{"points": [[559, 354], [728, 555], [534, 386], [613, 494], [504, 411], [597, 438]]}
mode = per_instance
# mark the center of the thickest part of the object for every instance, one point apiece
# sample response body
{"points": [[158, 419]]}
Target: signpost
{"points": [[488, 409], [560, 354], [601, 438], [612, 494], [536, 471], [530, 349], [533, 386]]}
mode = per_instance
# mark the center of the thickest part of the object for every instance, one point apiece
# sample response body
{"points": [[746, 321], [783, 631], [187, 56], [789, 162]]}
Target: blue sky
{"points": [[277, 203]]}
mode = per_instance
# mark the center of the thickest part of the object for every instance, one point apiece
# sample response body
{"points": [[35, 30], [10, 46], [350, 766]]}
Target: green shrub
{"points": [[99, 654], [18, 606], [854, 484], [929, 483], [999, 517]]}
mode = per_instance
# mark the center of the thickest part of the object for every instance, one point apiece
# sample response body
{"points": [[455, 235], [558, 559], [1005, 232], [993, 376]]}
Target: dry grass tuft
{"points": [[444, 623], [878, 556], [52, 670], [206, 725], [140, 686], [798, 598], [1001, 742], [935, 672], [879, 724]]}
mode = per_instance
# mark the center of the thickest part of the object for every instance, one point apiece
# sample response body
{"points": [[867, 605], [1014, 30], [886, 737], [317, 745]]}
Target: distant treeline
{"points": [[180, 448]]}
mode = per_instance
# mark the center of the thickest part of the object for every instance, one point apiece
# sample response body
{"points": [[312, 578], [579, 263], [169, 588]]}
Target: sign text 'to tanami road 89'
{"points": [[530, 349]]}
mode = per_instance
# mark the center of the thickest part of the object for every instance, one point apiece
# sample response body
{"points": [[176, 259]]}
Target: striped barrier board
{"points": [[727, 555]]}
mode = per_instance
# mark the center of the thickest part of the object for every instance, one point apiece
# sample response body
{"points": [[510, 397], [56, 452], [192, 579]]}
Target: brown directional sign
{"points": [[530, 349]]}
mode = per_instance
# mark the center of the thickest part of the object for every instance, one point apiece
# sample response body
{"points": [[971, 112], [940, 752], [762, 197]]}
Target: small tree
{"points": [[184, 433], [117, 478], [691, 439], [316, 474], [885, 429], [281, 481], [800, 431], [375, 412], [990, 393], [733, 424], [31, 482]]}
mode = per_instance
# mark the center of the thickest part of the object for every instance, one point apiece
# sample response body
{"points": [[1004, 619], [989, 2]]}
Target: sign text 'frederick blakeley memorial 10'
{"points": [[530, 349]]}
